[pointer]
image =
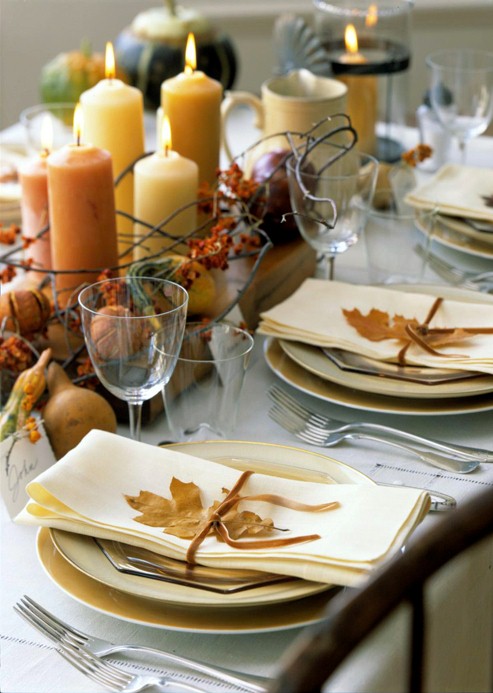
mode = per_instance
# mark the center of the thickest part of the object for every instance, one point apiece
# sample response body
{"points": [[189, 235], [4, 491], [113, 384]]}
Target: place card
{"points": [[20, 462]]}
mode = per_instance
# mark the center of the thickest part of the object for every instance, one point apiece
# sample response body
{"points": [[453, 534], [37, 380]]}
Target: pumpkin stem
{"points": [[171, 7]]}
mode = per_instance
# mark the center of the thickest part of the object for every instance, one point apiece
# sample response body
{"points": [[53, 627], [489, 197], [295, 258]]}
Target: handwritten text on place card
{"points": [[20, 462]]}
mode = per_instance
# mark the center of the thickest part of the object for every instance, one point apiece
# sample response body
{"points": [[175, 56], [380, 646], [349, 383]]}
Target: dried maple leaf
{"points": [[183, 514], [377, 325]]}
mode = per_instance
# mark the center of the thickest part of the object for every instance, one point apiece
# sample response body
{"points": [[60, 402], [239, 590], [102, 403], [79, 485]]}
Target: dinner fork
{"points": [[467, 279], [286, 402], [115, 678], [63, 634], [328, 437]]}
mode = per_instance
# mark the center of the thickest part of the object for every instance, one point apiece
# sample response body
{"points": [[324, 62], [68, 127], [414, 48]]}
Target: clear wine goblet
{"points": [[330, 190], [133, 329], [461, 92]]}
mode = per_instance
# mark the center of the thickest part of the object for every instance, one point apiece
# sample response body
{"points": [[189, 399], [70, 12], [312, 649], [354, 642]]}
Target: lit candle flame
{"points": [[166, 136], [372, 15], [190, 55], [78, 124], [351, 39], [109, 61], [46, 135]]}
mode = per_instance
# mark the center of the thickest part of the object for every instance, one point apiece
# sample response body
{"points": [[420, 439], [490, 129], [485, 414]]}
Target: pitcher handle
{"points": [[231, 100]]}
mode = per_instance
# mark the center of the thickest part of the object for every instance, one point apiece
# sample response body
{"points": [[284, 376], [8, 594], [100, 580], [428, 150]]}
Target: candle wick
{"points": [[78, 139]]}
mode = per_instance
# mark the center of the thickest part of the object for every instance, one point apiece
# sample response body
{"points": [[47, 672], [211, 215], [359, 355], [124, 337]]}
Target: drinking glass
{"points": [[462, 92], [203, 394], [330, 190], [133, 330]]}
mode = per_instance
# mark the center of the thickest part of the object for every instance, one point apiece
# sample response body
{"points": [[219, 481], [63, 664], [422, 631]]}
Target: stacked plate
{"points": [[463, 199], [78, 566], [345, 379]]}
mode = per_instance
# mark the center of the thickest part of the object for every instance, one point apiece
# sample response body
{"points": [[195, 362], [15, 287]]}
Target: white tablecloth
{"points": [[30, 663]]}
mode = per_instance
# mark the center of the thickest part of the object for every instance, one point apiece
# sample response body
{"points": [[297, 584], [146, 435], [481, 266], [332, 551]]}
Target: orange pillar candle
{"points": [[114, 120], [192, 102], [82, 213], [164, 183], [33, 178], [361, 96]]}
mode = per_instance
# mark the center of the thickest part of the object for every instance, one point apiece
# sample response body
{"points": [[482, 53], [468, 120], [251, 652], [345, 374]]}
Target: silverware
{"points": [[286, 402], [482, 281], [63, 634], [115, 678], [327, 437]]}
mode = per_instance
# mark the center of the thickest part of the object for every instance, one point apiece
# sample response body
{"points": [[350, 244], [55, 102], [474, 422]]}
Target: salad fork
{"points": [[288, 403], [329, 436], [65, 635]]}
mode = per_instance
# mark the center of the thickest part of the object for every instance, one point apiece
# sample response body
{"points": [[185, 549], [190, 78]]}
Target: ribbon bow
{"points": [[419, 333], [214, 521]]}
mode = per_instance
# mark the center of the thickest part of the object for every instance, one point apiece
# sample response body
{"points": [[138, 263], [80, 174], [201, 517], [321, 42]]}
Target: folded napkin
{"points": [[314, 315], [458, 191], [85, 492]]}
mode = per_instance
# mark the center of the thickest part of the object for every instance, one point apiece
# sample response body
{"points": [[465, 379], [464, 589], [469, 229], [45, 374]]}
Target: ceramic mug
{"points": [[294, 102]]}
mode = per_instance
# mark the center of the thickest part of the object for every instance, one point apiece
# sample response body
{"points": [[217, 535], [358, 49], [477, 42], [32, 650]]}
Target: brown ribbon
{"points": [[215, 522], [418, 334]]}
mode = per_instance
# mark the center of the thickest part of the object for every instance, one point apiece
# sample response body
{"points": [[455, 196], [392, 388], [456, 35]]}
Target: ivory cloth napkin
{"points": [[458, 191], [314, 315], [84, 493]]}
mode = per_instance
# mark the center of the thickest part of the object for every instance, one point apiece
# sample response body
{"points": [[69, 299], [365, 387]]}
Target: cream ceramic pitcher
{"points": [[294, 102]]}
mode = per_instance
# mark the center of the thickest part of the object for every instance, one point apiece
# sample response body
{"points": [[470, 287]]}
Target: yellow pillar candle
{"points": [[82, 214], [192, 102], [114, 120], [164, 183], [361, 96]]}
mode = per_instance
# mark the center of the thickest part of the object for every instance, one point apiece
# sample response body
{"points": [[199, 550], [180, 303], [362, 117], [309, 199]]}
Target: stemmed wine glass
{"points": [[461, 92], [133, 330], [330, 190]]}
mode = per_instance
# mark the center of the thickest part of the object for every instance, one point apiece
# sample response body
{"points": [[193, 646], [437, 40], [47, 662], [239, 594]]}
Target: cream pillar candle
{"points": [[82, 214], [164, 182], [114, 120], [192, 102]]}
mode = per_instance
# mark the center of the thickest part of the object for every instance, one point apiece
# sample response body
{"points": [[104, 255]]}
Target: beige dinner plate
{"points": [[150, 612], [445, 235], [314, 360], [84, 555], [298, 377], [456, 224]]}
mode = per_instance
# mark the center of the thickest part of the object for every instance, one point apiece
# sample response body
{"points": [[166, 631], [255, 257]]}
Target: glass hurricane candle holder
{"points": [[367, 44]]}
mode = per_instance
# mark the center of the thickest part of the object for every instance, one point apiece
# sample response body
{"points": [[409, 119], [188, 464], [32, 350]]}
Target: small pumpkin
{"points": [[67, 75], [152, 49], [25, 311]]}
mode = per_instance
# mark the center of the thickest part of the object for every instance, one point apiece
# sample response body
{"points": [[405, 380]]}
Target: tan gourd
{"points": [[73, 411]]}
